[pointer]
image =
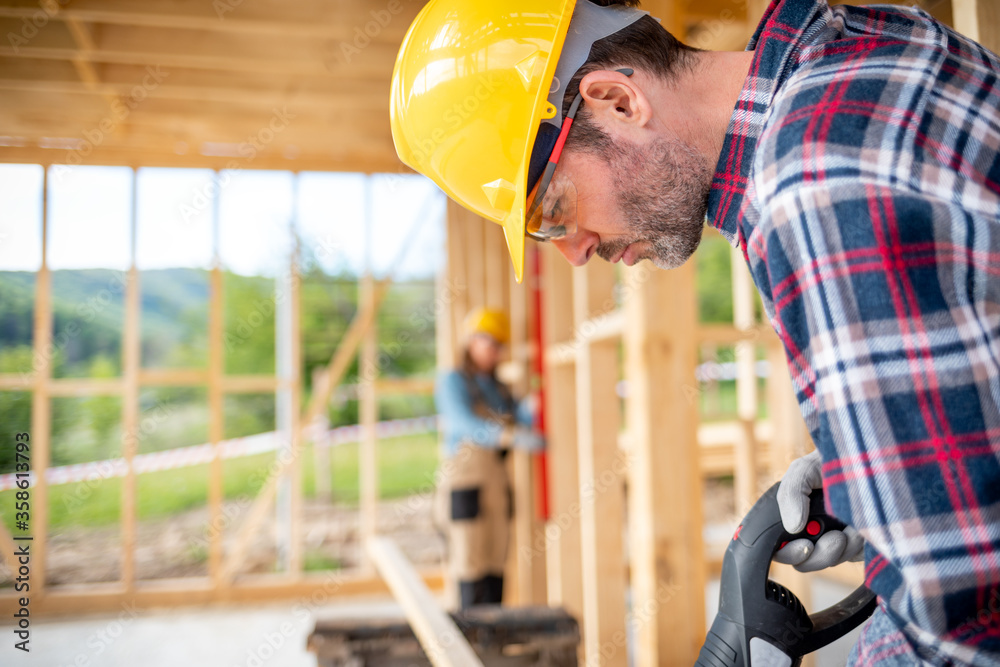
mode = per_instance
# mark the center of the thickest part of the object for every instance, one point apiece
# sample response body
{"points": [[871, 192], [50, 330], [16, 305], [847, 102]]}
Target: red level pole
{"points": [[541, 459]]}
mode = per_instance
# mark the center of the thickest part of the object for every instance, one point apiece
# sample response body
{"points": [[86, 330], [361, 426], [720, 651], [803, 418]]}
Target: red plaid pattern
{"points": [[861, 177]]}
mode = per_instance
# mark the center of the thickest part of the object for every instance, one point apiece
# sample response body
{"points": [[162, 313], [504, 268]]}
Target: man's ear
{"points": [[613, 97]]}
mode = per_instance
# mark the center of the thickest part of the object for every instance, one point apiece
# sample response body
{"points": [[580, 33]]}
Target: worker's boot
{"points": [[492, 589]]}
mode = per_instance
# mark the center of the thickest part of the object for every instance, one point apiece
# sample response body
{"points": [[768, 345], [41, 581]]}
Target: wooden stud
{"points": [[745, 474], [131, 345], [601, 468], [254, 589], [561, 548], [216, 421], [665, 516], [216, 400], [442, 640], [368, 460], [41, 407], [321, 451], [978, 20]]}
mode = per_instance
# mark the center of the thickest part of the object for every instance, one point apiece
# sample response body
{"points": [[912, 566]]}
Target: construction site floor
{"points": [[243, 636]]}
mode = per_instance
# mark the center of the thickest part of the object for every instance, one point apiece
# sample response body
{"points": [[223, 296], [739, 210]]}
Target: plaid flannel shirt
{"points": [[861, 177]]}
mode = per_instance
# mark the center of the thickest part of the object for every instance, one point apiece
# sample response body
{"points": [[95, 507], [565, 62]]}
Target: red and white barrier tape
{"points": [[183, 457]]}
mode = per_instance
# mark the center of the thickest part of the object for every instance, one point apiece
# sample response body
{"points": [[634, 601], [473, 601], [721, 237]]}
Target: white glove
{"points": [[527, 439], [835, 546]]}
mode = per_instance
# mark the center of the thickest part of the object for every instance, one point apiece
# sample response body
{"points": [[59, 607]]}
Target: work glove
{"points": [[835, 546], [528, 439]]}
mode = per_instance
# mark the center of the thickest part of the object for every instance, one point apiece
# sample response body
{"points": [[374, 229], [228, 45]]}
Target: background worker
{"points": [[853, 154], [481, 422]]}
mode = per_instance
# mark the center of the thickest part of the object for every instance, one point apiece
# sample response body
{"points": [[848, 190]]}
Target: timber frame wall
{"points": [[283, 486], [624, 476]]}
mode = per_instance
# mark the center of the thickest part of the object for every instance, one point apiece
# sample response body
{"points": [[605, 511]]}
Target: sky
{"points": [[344, 221]]}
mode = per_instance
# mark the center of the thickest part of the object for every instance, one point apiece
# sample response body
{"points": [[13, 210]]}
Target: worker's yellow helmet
{"points": [[476, 81], [491, 322]]}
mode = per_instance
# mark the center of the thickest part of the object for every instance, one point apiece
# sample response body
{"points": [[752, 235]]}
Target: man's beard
{"points": [[662, 190]]}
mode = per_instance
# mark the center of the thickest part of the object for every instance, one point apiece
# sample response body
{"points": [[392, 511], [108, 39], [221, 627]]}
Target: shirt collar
{"points": [[777, 39]]}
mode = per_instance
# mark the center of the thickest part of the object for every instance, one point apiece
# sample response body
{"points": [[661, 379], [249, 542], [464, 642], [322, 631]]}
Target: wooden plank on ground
{"points": [[442, 640]]}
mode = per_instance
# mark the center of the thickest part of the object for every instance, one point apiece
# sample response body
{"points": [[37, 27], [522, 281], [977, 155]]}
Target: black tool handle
{"points": [[761, 619]]}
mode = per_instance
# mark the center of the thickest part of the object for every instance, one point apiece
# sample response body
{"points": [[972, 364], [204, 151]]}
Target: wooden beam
{"points": [[368, 407], [303, 19], [41, 406], [745, 474], [131, 361], [85, 387], [363, 319], [601, 493], [978, 20], [375, 160], [216, 412], [442, 640], [561, 547], [81, 599], [665, 514]]}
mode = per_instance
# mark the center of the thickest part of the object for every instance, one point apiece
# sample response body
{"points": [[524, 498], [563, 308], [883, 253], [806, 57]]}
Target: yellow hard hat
{"points": [[473, 82], [487, 321]]}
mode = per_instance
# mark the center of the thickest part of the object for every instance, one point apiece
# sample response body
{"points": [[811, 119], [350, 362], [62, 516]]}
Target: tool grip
{"points": [[761, 619]]}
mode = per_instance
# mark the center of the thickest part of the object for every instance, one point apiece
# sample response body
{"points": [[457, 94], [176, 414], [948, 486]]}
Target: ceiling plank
{"points": [[302, 18]]}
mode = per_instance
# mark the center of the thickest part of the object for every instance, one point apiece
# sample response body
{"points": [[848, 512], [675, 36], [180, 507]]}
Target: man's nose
{"points": [[577, 248]]}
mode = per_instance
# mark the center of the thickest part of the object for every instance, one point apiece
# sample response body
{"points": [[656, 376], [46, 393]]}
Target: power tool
{"points": [[760, 622]]}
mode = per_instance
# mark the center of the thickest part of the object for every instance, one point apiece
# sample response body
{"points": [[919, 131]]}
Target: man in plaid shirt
{"points": [[853, 154], [861, 178], [860, 175]]}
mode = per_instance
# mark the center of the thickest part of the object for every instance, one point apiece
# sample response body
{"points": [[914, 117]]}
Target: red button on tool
{"points": [[813, 528], [783, 545], [737, 533]]}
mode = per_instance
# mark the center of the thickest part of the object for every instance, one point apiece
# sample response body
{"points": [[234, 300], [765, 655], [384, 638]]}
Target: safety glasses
{"points": [[552, 202]]}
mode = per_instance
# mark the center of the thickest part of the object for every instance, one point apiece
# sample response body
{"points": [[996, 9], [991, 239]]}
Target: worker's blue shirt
{"points": [[459, 419]]}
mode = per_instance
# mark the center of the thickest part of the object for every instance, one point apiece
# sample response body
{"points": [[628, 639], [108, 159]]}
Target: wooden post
{"points": [[287, 403], [321, 449], [216, 413], [130, 403], [529, 572], [978, 20], [665, 519], [41, 408], [745, 472], [368, 460], [601, 468], [562, 534], [789, 441]]}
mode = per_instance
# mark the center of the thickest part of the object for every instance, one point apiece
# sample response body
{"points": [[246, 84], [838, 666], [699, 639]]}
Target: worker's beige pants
{"points": [[473, 501]]}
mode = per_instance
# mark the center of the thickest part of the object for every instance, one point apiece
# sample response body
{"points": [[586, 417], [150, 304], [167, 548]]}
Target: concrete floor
{"points": [[215, 637], [272, 635]]}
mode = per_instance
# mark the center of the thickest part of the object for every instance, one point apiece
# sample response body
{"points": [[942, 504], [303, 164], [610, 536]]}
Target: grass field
{"points": [[406, 465]]}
